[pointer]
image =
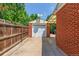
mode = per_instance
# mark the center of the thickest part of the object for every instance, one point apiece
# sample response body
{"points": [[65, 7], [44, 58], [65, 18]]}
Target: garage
{"points": [[39, 31], [38, 28]]}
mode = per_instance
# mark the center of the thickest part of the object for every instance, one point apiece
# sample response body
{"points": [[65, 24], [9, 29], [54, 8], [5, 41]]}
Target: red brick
{"points": [[67, 35]]}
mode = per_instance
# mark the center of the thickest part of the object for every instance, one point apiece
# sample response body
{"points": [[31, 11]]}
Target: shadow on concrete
{"points": [[43, 35], [49, 47]]}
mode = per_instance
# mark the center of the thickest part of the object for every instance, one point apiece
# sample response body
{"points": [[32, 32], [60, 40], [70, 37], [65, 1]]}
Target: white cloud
{"points": [[40, 15]]}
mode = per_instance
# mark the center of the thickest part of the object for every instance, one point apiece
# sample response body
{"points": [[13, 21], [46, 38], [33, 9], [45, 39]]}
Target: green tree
{"points": [[48, 17], [33, 16], [52, 27], [16, 13]]}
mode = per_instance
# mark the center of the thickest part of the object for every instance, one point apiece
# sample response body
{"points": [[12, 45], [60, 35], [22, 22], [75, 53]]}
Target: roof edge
{"points": [[59, 8]]}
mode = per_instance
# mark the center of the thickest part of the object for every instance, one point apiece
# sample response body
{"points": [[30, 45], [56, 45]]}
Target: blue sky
{"points": [[43, 9]]}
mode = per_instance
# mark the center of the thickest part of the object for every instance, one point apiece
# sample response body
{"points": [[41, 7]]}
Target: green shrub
{"points": [[52, 28]]}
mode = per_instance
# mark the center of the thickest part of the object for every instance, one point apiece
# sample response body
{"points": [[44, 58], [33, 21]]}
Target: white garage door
{"points": [[38, 31]]}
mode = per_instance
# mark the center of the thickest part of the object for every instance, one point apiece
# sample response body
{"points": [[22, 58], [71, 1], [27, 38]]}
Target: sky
{"points": [[42, 9]]}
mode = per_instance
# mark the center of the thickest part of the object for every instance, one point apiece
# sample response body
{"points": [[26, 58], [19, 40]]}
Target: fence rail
{"points": [[11, 34]]}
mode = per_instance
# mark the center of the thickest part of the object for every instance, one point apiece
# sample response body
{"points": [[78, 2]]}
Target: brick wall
{"points": [[67, 31]]}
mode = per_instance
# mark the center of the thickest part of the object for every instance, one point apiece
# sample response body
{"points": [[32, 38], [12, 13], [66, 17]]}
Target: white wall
{"points": [[39, 31]]}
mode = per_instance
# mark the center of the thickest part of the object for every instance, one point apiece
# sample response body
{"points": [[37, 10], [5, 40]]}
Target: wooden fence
{"points": [[10, 35]]}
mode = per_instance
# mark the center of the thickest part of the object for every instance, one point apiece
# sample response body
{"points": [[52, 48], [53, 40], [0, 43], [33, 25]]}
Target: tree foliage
{"points": [[33, 16], [16, 13], [52, 27], [48, 17]]}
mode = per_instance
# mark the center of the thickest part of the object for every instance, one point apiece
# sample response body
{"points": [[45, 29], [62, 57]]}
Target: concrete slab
{"points": [[30, 47], [49, 48], [36, 46]]}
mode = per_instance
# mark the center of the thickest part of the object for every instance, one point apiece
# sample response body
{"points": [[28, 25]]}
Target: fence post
{"points": [[30, 29], [48, 29]]}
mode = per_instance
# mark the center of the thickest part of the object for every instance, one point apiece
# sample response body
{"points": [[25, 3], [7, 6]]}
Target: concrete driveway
{"points": [[49, 48], [29, 47], [36, 46]]}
